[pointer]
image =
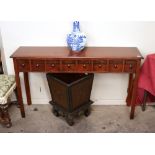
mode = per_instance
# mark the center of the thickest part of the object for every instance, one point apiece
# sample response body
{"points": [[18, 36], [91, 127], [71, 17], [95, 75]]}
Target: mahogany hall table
{"points": [[90, 60]]}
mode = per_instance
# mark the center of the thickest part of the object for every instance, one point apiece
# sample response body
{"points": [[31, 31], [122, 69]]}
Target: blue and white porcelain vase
{"points": [[76, 40]]}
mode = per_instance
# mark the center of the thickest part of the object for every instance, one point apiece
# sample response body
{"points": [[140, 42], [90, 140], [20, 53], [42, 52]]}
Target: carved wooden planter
{"points": [[70, 94]]}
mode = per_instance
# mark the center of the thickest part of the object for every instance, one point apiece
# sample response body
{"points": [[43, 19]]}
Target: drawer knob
{"points": [[37, 65], [68, 65], [84, 66], [99, 66], [115, 66], [130, 66], [23, 65], [53, 65]]}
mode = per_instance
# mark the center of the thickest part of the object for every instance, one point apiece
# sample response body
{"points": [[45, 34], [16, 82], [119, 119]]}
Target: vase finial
{"points": [[76, 26]]}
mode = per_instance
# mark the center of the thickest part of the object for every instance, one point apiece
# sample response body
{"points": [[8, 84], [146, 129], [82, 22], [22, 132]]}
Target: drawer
{"points": [[100, 65], [52, 66], [23, 65], [84, 65], [38, 65], [130, 66], [115, 65], [68, 65]]}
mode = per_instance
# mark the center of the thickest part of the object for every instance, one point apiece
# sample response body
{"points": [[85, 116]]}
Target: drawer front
{"points": [[84, 65], [52, 66], [38, 65], [130, 66], [100, 66], [23, 65], [68, 66], [115, 65]]}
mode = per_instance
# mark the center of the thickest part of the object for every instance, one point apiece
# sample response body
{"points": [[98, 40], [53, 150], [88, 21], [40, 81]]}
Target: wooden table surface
{"points": [[91, 60], [88, 52]]}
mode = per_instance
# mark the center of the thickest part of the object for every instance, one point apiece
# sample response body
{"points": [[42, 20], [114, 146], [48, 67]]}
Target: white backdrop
{"points": [[107, 88]]}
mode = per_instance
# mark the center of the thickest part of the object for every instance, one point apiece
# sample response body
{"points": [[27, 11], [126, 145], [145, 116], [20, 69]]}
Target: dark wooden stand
{"points": [[69, 116]]}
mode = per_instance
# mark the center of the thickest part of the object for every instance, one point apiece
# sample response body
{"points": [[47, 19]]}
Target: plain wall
{"points": [[107, 88]]}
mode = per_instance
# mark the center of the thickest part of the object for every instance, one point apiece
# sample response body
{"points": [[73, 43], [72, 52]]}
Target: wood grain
{"points": [[90, 60]]}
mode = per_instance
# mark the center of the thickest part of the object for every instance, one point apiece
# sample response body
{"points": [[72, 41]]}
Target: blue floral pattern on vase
{"points": [[76, 40]]}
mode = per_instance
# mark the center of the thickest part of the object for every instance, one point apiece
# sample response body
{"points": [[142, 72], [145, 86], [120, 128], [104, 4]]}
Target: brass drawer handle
{"points": [[130, 66], [68, 65], [99, 66], [84, 66], [53, 65], [115, 66], [37, 65], [23, 65]]}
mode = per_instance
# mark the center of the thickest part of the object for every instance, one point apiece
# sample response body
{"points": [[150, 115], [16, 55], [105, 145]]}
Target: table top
{"points": [[88, 52]]}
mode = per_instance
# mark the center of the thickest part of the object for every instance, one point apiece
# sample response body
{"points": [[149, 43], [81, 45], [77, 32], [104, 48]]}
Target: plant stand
{"points": [[70, 94]]}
